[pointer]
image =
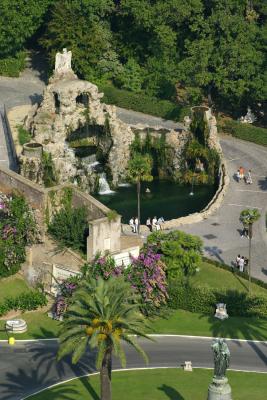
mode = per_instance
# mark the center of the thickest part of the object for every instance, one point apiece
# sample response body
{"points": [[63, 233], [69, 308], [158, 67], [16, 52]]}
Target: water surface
{"points": [[166, 199]]}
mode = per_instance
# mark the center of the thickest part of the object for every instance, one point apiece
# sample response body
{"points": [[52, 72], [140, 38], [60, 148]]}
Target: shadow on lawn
{"points": [[235, 327], [171, 393]]}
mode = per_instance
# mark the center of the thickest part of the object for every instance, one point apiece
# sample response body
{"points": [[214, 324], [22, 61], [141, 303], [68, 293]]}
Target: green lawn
{"points": [[39, 326], [12, 287], [219, 278], [159, 384], [176, 322], [186, 323]]}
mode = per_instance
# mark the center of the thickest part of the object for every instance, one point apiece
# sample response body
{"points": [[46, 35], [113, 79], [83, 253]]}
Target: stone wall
{"points": [[11, 181], [103, 234]]}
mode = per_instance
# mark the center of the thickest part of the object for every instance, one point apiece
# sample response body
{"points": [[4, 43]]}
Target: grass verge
{"points": [[159, 384], [12, 286], [247, 132]]}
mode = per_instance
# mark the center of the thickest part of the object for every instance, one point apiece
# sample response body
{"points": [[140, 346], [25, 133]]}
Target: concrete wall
{"points": [[103, 235], [11, 181]]}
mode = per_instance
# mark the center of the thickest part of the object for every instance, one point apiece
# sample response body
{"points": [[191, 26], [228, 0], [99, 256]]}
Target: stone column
{"points": [[219, 389]]}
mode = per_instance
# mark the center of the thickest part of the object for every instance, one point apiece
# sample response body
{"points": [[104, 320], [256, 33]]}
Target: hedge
{"points": [[203, 300], [25, 301], [143, 103], [247, 132]]}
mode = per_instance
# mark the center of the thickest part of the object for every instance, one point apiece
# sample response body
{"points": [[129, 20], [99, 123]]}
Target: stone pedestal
{"points": [[219, 389]]}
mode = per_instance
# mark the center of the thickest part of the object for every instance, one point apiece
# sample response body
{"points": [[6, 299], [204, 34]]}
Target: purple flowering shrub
{"points": [[102, 266], [17, 229], [147, 276]]}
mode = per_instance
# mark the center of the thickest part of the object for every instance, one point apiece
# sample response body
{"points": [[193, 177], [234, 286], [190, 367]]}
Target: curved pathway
{"points": [[30, 366], [221, 232]]}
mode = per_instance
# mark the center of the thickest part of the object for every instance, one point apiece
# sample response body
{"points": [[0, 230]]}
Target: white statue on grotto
{"points": [[63, 62]]}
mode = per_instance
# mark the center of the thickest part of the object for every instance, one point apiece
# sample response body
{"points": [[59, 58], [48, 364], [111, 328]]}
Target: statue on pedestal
{"points": [[221, 355], [63, 62], [219, 389]]}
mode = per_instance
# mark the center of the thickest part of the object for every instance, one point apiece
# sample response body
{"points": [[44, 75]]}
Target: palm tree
{"points": [[102, 315], [248, 217], [139, 170]]}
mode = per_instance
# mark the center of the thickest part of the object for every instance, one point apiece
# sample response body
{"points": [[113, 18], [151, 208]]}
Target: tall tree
{"points": [[19, 20], [103, 314], [83, 27], [248, 217], [139, 170]]}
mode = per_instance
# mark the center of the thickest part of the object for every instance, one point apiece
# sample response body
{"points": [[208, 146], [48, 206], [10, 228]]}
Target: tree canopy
{"points": [[163, 48]]}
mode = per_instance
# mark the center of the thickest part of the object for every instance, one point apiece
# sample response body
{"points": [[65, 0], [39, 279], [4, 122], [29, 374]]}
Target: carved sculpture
{"points": [[221, 355], [63, 62]]}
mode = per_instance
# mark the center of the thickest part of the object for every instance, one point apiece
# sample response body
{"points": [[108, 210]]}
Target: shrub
{"points": [[49, 173], [12, 66], [203, 300], [17, 229], [143, 103], [245, 131], [181, 252], [147, 276], [23, 135], [102, 267], [26, 301], [69, 226]]}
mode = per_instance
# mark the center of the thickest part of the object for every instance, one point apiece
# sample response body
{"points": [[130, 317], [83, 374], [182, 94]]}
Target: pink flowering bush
{"points": [[102, 266], [147, 277]]}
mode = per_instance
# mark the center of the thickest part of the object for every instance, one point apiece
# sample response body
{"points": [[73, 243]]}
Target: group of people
{"points": [[240, 175], [155, 224], [241, 263]]}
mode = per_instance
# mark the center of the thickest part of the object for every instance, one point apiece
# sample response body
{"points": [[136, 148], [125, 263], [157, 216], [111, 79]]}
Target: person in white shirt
{"points": [[131, 223], [238, 258], [148, 224], [154, 223], [161, 222], [136, 223], [241, 264]]}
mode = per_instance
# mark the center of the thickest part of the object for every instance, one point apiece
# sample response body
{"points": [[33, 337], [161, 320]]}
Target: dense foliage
{"points": [[17, 229], [181, 253], [169, 49], [203, 300], [69, 227], [146, 273], [27, 301]]}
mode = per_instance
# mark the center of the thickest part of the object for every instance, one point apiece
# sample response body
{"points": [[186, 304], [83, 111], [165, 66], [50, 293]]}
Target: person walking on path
{"points": [[241, 172], [238, 176], [249, 178], [241, 264], [238, 258], [149, 224]]}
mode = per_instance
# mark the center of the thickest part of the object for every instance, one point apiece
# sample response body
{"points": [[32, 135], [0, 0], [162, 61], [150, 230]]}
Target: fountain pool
{"points": [[166, 199]]}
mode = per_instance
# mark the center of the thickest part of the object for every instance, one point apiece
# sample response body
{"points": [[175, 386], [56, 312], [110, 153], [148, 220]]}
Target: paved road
{"points": [[29, 367], [134, 118], [221, 231]]}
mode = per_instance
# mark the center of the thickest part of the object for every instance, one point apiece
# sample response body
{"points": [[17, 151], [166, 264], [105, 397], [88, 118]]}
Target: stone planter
{"points": [[16, 326], [33, 150]]}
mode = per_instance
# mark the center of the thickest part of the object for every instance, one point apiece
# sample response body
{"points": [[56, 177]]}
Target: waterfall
{"points": [[103, 185]]}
